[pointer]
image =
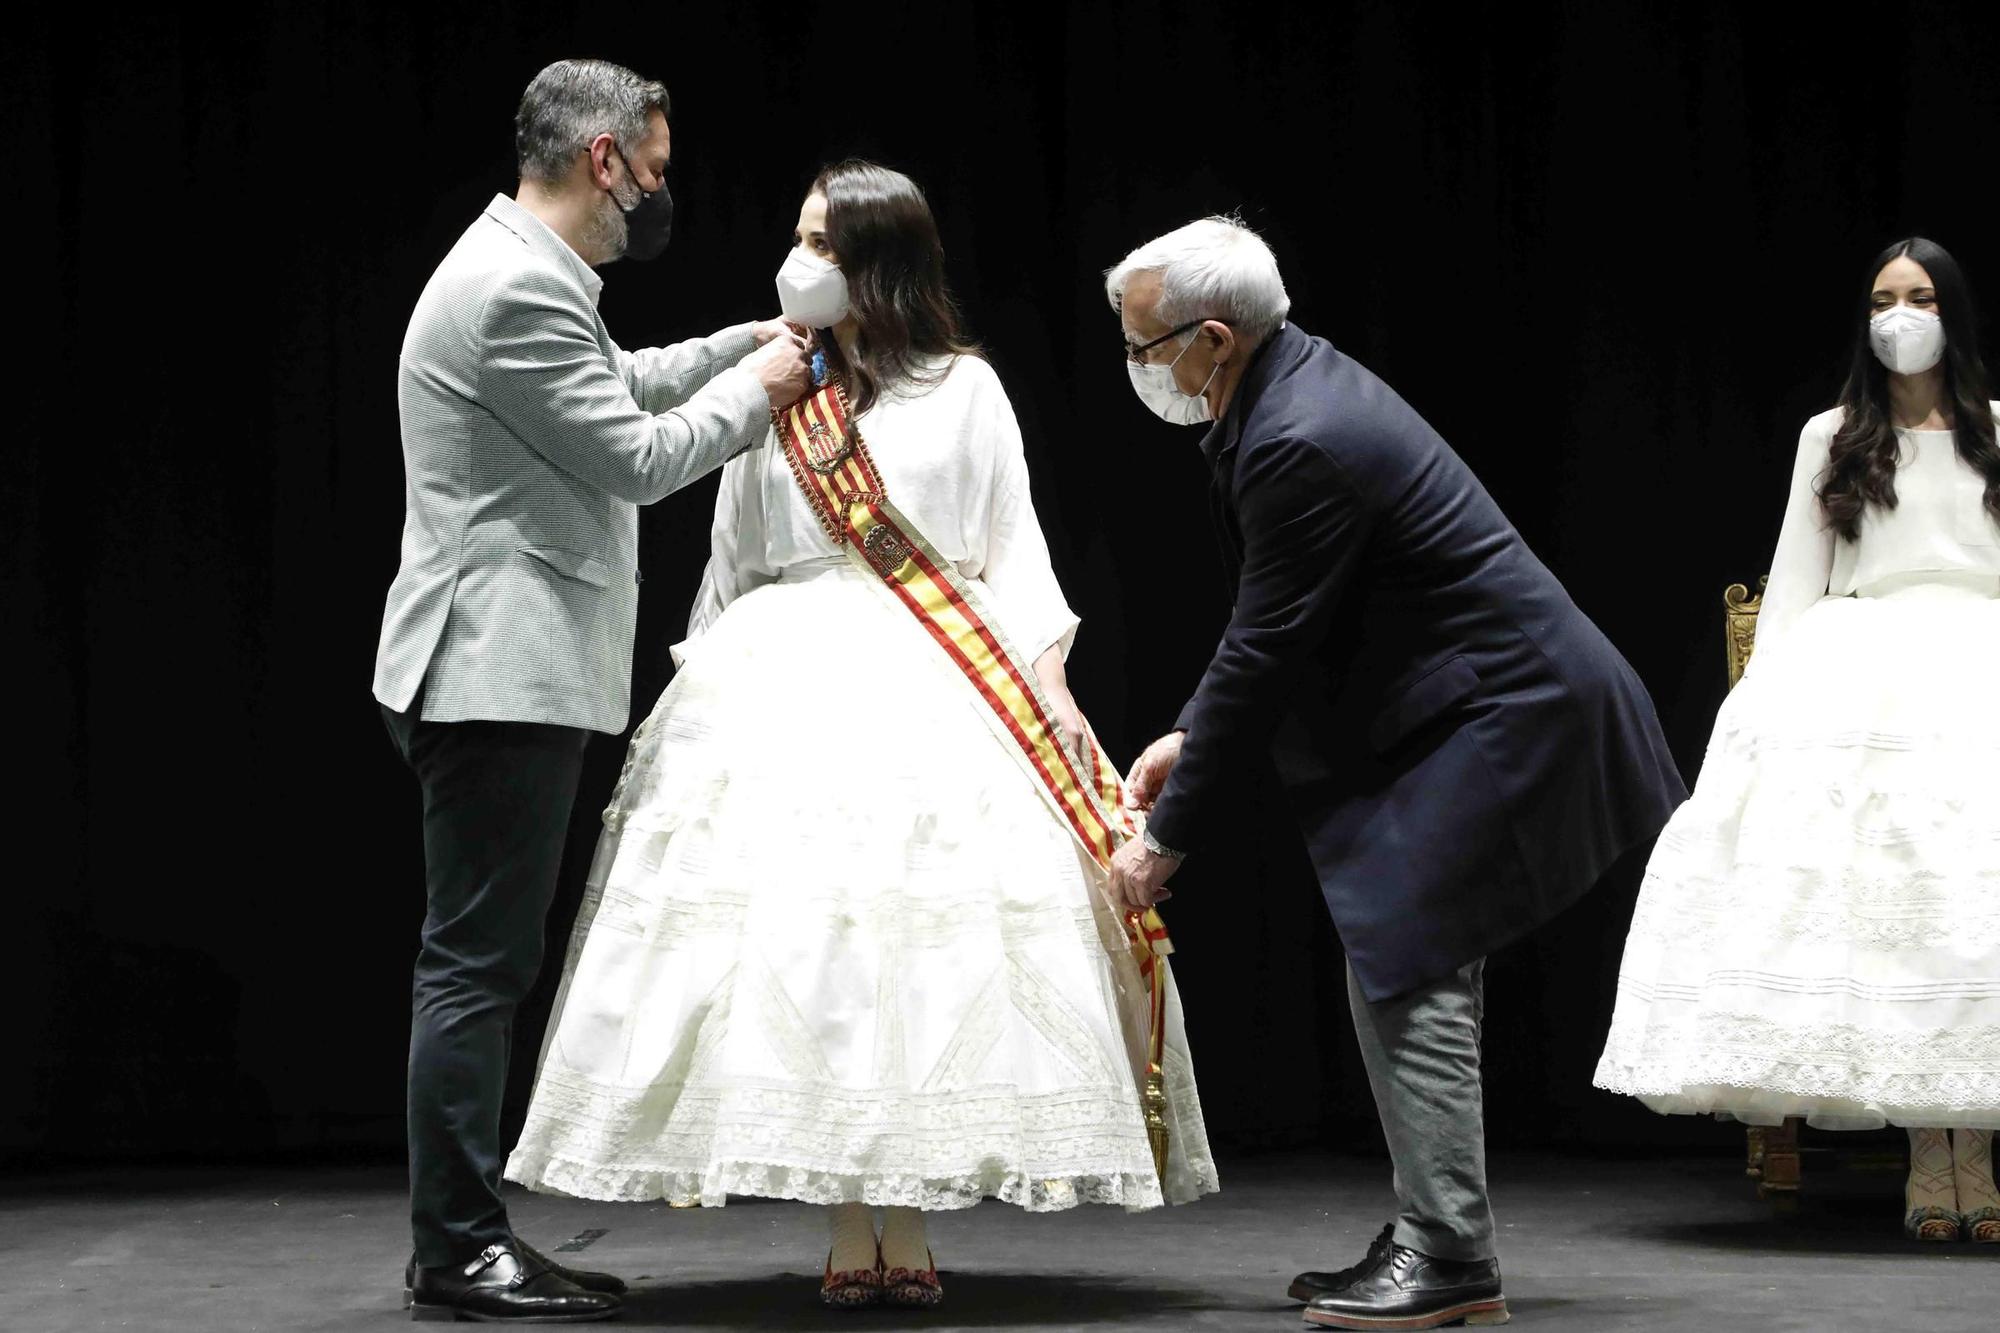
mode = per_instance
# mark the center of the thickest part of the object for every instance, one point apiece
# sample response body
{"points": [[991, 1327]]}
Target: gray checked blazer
{"points": [[529, 441]]}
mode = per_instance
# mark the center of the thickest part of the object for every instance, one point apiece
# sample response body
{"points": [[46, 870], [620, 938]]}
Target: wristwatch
{"points": [[1158, 848]]}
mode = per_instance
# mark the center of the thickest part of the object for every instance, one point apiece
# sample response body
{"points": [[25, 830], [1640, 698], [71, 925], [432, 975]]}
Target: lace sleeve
{"points": [[1803, 562], [1017, 566], [736, 544]]}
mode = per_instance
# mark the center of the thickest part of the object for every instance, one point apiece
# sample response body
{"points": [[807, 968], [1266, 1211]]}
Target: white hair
{"points": [[1216, 268]]}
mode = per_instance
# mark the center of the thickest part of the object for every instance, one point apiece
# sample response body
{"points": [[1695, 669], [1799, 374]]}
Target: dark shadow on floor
{"points": [[1866, 1222], [977, 1300]]}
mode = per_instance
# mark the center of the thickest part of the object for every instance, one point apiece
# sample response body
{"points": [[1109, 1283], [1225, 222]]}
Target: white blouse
{"points": [[951, 457], [1940, 524]]}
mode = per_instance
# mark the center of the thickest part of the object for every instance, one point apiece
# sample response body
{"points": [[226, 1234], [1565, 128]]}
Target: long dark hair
{"points": [[880, 225], [1861, 466]]}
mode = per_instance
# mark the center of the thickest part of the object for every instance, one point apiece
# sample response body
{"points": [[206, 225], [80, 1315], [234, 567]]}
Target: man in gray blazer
{"points": [[529, 441]]}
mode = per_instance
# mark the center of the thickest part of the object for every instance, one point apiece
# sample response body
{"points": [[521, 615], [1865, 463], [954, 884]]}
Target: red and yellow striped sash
{"points": [[845, 490]]}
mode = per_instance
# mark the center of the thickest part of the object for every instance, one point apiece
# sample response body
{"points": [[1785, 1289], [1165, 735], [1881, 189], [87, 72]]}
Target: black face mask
{"points": [[649, 224]]}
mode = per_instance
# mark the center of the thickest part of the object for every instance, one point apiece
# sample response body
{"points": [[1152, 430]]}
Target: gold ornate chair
{"points": [[1772, 1152], [1772, 1157]]}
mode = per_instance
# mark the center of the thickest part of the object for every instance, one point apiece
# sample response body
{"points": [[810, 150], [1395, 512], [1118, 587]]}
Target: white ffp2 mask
{"points": [[1907, 340], [1157, 390], [811, 292]]}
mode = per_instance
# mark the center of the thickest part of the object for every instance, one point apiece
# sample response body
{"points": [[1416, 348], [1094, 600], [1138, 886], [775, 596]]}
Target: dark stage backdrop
{"points": [[1609, 250]]}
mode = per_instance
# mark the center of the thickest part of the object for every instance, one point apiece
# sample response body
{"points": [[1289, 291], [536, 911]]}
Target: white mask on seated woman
{"points": [[1907, 340]]}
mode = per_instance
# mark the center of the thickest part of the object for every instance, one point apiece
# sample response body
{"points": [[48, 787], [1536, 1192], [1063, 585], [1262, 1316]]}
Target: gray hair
{"points": [[1216, 268], [572, 102]]}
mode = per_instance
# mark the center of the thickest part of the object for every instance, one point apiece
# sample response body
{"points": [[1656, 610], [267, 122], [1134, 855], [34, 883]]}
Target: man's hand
{"points": [[1149, 772], [782, 367], [766, 329], [1139, 877]]}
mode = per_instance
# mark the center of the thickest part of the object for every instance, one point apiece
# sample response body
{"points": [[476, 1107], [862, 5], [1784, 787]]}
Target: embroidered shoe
{"points": [[1932, 1223], [851, 1289], [914, 1288], [1978, 1201], [1983, 1225], [1930, 1196]]}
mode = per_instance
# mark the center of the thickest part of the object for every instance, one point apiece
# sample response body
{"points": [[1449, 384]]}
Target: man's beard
{"points": [[607, 233]]}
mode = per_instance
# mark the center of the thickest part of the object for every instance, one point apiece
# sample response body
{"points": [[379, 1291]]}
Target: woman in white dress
{"points": [[836, 947], [1818, 934]]}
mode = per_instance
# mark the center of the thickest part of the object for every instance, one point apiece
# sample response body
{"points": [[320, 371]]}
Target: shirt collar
{"points": [[542, 239]]}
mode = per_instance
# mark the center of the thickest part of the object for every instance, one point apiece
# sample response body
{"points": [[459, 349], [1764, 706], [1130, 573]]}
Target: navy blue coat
{"points": [[1465, 752]]}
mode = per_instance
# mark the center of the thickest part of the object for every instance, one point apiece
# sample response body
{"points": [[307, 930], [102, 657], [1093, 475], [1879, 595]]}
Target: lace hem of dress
{"points": [[712, 1186], [1759, 1103], [1081, 1133], [1724, 1062]]}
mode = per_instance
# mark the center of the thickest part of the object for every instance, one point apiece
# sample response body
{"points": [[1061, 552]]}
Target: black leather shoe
{"points": [[1308, 1285], [504, 1286], [604, 1283], [582, 1277], [1406, 1289]]}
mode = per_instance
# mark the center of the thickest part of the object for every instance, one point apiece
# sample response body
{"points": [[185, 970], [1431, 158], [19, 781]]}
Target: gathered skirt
{"points": [[1818, 932], [835, 947]]}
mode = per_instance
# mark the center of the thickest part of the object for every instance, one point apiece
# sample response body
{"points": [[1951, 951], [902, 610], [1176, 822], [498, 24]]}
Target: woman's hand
{"points": [[1069, 720], [1055, 687]]}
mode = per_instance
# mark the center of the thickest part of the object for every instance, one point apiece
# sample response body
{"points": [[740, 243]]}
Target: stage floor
{"points": [[1672, 1244]]}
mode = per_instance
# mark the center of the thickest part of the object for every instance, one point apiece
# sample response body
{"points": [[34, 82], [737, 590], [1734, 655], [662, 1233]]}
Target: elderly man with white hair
{"points": [[1464, 752]]}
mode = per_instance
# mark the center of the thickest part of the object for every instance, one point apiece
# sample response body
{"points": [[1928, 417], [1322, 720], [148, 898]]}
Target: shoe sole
{"points": [[451, 1314], [1474, 1313]]}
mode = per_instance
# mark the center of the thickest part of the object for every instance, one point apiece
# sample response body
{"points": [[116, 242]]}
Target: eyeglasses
{"points": [[1136, 352]]}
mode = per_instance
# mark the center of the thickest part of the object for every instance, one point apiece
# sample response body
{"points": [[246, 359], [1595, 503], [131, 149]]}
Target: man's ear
{"points": [[600, 161], [1225, 340]]}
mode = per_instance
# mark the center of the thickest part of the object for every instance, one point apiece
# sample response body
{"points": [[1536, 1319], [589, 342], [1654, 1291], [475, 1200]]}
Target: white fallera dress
{"points": [[1818, 933], [835, 946]]}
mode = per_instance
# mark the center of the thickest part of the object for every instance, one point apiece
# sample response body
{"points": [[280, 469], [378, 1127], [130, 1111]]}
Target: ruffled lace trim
{"points": [[821, 1144], [712, 1186], [1716, 1061]]}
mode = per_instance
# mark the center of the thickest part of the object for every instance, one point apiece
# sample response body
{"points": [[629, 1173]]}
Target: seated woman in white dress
{"points": [[1818, 934], [836, 946]]}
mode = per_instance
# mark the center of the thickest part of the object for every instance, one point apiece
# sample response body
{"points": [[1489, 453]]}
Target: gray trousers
{"points": [[1422, 1054]]}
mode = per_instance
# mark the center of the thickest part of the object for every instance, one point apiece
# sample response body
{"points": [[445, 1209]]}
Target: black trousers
{"points": [[497, 799]]}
